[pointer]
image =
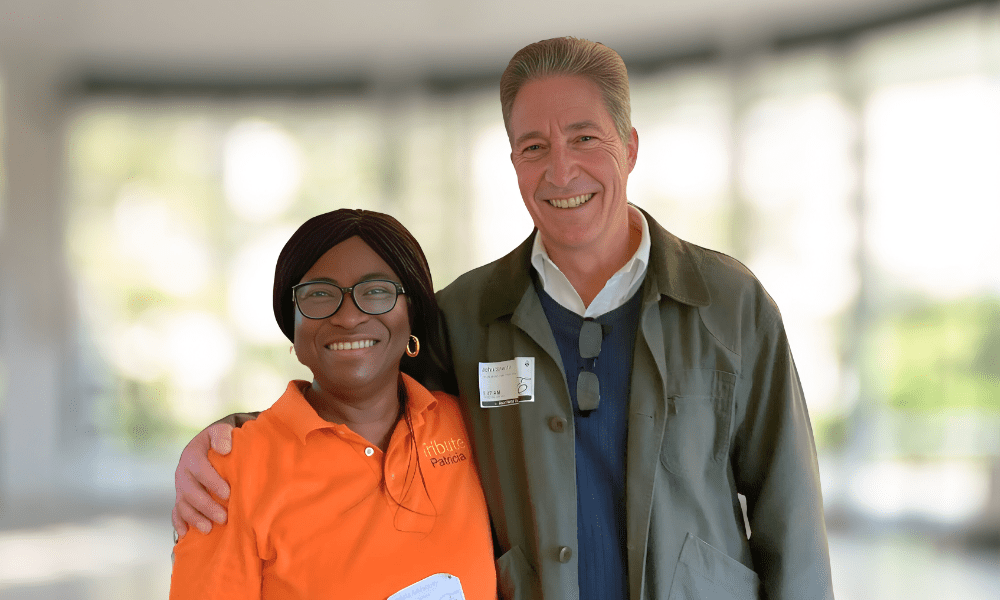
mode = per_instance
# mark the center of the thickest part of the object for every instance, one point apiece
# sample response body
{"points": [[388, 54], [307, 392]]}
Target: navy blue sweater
{"points": [[600, 437]]}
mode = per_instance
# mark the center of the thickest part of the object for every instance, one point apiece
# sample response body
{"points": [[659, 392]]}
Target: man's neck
{"points": [[588, 272]]}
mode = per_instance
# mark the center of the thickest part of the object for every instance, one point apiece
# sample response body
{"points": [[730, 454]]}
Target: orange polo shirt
{"points": [[316, 511]]}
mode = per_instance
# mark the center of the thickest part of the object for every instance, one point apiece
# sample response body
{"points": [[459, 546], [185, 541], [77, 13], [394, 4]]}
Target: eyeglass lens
{"points": [[588, 388], [320, 300]]}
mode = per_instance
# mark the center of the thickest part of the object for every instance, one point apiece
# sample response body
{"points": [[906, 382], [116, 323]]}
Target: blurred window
{"points": [[856, 178]]}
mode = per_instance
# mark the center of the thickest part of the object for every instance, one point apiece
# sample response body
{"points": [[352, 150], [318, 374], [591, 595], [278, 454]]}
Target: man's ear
{"points": [[632, 149]]}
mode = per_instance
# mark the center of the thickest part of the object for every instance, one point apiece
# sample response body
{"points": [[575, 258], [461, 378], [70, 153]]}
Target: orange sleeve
{"points": [[224, 564]]}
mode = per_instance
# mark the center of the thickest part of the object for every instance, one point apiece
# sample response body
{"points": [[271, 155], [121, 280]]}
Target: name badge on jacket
{"points": [[507, 383]]}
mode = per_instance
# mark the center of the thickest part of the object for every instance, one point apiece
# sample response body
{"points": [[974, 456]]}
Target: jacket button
{"points": [[565, 553], [557, 424]]}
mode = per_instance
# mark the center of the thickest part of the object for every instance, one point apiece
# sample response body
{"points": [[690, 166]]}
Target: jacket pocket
{"points": [[699, 414], [515, 577], [704, 573]]}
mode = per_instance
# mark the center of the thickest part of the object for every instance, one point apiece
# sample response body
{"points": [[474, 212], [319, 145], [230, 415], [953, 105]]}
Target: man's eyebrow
{"points": [[527, 136], [578, 126], [582, 125]]}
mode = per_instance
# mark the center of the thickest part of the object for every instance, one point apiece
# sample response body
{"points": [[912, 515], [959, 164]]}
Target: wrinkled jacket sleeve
{"points": [[774, 462]]}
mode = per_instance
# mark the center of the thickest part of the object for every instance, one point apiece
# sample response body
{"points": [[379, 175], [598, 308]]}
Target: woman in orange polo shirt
{"points": [[361, 483]]}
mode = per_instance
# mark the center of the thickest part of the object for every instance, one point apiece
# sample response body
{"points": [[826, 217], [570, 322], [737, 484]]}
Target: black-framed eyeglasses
{"points": [[321, 299]]}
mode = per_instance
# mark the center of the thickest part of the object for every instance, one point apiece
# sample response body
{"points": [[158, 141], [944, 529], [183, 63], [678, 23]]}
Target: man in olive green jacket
{"points": [[715, 408], [709, 407]]}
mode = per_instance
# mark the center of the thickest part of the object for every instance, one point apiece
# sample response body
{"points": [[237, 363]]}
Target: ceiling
{"points": [[265, 40]]}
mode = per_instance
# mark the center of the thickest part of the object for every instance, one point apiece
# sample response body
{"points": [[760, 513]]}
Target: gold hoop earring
{"points": [[415, 351]]}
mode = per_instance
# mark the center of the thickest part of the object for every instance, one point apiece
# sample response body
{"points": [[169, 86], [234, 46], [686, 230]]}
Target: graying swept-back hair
{"points": [[570, 56]]}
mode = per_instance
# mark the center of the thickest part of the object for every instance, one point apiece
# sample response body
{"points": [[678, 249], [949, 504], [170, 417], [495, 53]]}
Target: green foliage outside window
{"points": [[944, 356]]}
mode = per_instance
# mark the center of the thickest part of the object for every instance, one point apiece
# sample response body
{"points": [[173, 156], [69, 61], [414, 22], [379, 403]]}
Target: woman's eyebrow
{"points": [[365, 277], [376, 275]]}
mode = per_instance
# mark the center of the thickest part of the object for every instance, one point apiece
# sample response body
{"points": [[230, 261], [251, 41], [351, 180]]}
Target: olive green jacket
{"points": [[715, 408]]}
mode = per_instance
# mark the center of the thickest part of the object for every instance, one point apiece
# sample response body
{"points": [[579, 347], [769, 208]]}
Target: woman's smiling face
{"points": [[381, 338]]}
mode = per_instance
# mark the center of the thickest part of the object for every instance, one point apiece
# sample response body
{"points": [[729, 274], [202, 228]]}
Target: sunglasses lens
{"points": [[590, 339], [588, 391]]}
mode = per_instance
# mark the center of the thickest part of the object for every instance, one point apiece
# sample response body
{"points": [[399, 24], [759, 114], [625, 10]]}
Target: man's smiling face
{"points": [[571, 164]]}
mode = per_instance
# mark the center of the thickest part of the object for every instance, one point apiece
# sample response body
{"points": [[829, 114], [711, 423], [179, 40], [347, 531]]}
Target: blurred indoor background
{"points": [[156, 156]]}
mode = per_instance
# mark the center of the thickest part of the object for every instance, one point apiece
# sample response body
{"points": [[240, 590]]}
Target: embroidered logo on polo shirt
{"points": [[447, 452]]}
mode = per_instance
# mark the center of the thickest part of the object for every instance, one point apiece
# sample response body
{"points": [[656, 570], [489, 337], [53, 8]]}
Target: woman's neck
{"points": [[373, 417]]}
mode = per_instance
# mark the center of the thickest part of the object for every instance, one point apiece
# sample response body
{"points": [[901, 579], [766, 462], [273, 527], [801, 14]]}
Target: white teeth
{"points": [[351, 345], [571, 202]]}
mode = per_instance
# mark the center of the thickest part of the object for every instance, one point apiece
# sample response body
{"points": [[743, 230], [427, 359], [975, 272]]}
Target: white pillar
{"points": [[36, 298]]}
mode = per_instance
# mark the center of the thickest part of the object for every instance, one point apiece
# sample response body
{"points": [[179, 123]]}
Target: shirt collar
{"points": [[675, 267], [294, 411], [616, 291]]}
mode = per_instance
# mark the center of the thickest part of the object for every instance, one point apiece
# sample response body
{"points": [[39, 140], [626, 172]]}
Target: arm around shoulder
{"points": [[195, 480]]}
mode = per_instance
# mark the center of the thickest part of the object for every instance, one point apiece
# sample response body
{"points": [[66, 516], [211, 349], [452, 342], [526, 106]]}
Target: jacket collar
{"points": [[675, 266]]}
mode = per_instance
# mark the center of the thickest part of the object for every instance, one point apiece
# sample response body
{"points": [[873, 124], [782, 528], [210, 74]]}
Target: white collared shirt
{"points": [[617, 290]]}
